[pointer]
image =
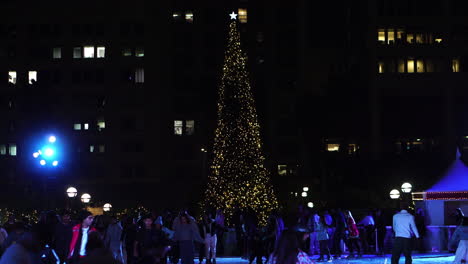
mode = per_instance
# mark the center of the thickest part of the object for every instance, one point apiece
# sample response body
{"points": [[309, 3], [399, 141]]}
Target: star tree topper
{"points": [[233, 15]]}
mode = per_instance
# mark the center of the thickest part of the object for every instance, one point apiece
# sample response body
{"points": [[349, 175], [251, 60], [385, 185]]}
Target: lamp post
{"points": [[406, 187], [394, 194], [85, 198], [47, 157], [72, 192], [107, 207]]}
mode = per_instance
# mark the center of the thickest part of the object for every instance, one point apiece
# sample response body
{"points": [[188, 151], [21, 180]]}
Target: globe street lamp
{"points": [[304, 194], [107, 207], [406, 187], [305, 189], [72, 192], [394, 194], [85, 198], [310, 204]]}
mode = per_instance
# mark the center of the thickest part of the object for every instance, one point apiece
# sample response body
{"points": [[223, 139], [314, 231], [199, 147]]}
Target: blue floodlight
{"points": [[49, 152]]}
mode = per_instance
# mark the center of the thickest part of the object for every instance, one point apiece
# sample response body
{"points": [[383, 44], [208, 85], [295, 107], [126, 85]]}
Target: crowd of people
{"points": [[172, 237]]}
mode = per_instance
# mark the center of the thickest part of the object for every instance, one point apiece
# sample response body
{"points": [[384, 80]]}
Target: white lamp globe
{"points": [[85, 198], [72, 192], [406, 187], [107, 207], [394, 194]]}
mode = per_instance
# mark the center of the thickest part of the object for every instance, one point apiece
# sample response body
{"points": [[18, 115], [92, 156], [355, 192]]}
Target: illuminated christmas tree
{"points": [[238, 177]]}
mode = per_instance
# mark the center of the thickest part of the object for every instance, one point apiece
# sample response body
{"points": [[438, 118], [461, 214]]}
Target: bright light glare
{"points": [[49, 152], [52, 139], [72, 192], [42, 162], [55, 163], [107, 207], [36, 154], [394, 194]]}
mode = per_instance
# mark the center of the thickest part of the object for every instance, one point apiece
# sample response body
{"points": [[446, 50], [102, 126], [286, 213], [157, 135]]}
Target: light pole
{"points": [[394, 194], [406, 188], [107, 207], [85, 198], [47, 156], [72, 192]]}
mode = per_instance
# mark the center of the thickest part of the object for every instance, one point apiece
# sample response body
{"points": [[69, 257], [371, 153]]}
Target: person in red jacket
{"points": [[352, 235], [77, 248]]}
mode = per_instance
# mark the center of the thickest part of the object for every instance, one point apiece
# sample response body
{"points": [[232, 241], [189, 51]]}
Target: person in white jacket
{"points": [[405, 229]]}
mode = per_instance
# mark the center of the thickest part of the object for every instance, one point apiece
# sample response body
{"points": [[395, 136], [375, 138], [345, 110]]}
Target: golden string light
{"points": [[238, 177]]}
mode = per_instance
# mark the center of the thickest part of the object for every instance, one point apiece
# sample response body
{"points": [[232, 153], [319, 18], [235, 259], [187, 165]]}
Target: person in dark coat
{"points": [[62, 236], [340, 232], [420, 220], [381, 229]]}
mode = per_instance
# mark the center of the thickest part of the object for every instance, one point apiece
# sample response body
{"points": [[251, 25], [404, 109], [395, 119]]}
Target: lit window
{"points": [[381, 35], [419, 66], [101, 52], [176, 15], [178, 127], [189, 16], [333, 147], [401, 66], [455, 65], [88, 52], [86, 126], [410, 66], [381, 66], [390, 36], [140, 75], [101, 125], [57, 53], [102, 148], [352, 148], [77, 54], [399, 33], [410, 38], [91, 148], [32, 77], [127, 52], [77, 126], [242, 15], [12, 149], [189, 127], [2, 149], [438, 40], [282, 170], [12, 77], [419, 38], [139, 52]]}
